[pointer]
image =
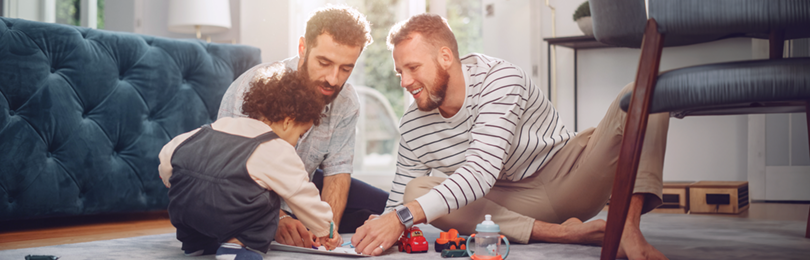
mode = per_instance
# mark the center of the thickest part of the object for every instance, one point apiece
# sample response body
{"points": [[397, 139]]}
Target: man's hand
{"points": [[378, 231], [370, 217], [587, 233], [293, 232]]}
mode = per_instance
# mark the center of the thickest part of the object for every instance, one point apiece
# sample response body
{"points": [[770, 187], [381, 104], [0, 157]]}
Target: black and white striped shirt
{"points": [[506, 130]]}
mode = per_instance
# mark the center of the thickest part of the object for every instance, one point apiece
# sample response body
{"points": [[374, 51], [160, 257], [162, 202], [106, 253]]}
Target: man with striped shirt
{"points": [[501, 149]]}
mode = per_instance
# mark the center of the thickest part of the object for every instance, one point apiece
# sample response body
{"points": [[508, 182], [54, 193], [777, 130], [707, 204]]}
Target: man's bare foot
{"points": [[572, 231], [634, 246]]}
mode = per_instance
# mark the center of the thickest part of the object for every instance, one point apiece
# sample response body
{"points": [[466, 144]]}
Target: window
{"points": [[377, 137], [375, 68], [466, 19], [69, 12], [382, 99]]}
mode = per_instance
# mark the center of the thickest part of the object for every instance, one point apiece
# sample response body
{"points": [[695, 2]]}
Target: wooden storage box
{"points": [[729, 197], [676, 198]]}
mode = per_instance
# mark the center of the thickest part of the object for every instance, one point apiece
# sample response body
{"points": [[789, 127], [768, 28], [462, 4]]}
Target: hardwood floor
{"points": [[48, 232]]}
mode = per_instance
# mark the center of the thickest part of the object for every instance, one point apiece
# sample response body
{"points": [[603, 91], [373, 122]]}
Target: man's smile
{"points": [[416, 91]]}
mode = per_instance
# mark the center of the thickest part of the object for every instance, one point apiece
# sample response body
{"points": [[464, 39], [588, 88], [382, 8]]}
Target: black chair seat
{"points": [[746, 87], [694, 21], [686, 22]]}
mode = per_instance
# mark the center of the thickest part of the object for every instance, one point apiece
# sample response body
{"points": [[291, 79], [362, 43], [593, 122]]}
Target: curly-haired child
{"points": [[225, 179]]}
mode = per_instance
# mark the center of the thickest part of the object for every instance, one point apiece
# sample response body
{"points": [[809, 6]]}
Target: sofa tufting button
{"points": [[11, 112]]}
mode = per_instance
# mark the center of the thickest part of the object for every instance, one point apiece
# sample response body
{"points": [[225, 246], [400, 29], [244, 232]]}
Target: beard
{"points": [[320, 83], [436, 92]]}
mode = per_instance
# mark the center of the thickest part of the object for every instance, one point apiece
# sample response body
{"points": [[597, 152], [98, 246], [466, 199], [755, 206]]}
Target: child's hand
{"points": [[331, 244]]}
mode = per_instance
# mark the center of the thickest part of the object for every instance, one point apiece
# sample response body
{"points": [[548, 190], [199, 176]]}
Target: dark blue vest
{"points": [[213, 194]]}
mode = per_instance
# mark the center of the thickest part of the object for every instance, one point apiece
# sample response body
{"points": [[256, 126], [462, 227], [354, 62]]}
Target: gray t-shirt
{"points": [[329, 145]]}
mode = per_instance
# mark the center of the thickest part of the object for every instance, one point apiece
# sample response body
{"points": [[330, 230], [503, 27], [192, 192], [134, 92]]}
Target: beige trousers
{"points": [[576, 182]]}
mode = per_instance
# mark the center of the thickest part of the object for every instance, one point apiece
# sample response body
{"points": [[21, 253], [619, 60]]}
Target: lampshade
{"points": [[212, 16]]}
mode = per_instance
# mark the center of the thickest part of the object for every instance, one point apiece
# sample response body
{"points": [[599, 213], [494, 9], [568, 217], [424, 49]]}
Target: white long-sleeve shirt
{"points": [[505, 130], [274, 165]]}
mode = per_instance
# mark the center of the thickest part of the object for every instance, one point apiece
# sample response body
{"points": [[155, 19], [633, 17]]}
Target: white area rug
{"points": [[677, 236]]}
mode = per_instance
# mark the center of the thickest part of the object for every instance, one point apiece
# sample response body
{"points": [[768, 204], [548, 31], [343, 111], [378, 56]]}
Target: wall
{"points": [[261, 23], [119, 15], [151, 17], [699, 148], [266, 24], [505, 31]]}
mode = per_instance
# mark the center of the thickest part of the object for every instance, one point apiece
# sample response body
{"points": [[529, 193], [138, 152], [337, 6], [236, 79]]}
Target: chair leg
{"points": [[807, 232], [807, 114], [632, 140]]}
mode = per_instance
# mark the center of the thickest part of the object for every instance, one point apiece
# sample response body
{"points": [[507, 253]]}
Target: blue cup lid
{"points": [[488, 225]]}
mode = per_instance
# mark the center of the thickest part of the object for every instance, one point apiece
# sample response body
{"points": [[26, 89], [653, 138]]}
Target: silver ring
{"points": [[381, 247]]}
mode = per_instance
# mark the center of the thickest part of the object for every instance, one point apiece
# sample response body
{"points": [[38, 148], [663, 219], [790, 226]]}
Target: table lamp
{"points": [[199, 16]]}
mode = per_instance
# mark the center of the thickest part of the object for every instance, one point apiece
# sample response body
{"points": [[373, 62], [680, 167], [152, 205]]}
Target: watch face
{"points": [[404, 214]]}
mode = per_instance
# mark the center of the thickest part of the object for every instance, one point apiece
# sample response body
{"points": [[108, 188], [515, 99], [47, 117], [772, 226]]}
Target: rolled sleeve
{"points": [[341, 156], [433, 204]]}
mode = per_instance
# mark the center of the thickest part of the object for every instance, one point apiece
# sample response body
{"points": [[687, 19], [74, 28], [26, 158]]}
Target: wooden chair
{"points": [[775, 85]]}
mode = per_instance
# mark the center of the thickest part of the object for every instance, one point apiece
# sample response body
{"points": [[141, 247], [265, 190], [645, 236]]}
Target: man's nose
{"points": [[405, 80], [332, 76]]}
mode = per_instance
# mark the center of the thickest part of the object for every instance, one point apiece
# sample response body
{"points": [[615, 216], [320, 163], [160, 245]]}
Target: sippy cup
{"points": [[487, 241]]}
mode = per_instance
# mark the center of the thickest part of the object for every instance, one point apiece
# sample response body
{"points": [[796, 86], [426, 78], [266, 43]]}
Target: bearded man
{"points": [[335, 36]]}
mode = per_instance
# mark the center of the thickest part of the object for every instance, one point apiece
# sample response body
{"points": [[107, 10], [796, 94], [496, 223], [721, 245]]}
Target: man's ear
{"points": [[446, 57], [302, 47]]}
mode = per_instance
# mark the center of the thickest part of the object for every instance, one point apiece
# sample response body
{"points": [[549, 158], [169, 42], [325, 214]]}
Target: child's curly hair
{"points": [[277, 92]]}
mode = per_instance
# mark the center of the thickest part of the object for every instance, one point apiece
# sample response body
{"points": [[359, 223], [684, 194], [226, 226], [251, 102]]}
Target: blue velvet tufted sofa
{"points": [[84, 113]]}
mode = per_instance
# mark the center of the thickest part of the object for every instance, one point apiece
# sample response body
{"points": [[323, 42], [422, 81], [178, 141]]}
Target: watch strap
{"points": [[404, 215]]}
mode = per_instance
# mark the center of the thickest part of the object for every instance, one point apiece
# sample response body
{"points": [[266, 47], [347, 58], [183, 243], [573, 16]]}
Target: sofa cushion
{"points": [[84, 113]]}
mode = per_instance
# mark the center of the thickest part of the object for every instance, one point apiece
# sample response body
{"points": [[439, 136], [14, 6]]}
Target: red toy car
{"points": [[412, 241]]}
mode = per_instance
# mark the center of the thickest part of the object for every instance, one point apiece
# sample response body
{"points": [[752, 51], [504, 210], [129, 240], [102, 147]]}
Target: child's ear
{"points": [[288, 123]]}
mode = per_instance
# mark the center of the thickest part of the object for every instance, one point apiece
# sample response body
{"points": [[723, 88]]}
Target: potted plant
{"points": [[583, 18]]}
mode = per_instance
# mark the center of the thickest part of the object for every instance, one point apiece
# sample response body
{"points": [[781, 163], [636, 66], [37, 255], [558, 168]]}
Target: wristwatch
{"points": [[405, 216]]}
